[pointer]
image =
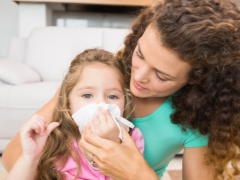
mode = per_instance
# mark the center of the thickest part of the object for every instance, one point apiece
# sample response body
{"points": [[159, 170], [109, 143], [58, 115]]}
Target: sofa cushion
{"points": [[19, 103], [16, 72], [113, 39], [50, 50]]}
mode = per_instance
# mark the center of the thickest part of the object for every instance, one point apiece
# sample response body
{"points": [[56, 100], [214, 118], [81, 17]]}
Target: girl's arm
{"points": [[33, 134], [23, 170], [118, 161], [14, 149]]}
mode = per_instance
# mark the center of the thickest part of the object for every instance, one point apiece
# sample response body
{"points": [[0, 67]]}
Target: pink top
{"points": [[87, 172]]}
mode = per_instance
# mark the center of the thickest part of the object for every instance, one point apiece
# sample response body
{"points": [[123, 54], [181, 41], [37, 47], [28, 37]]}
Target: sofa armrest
{"points": [[15, 72]]}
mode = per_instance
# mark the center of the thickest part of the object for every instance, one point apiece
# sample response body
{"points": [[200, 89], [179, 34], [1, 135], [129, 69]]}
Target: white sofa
{"points": [[35, 66]]}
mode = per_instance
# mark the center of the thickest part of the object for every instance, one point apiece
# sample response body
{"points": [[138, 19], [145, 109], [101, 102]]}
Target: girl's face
{"points": [[98, 83], [156, 71]]}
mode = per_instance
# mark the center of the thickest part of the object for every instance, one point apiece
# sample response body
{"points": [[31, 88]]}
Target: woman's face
{"points": [[156, 71]]}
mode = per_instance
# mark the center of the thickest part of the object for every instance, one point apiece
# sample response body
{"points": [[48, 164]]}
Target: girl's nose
{"points": [[101, 99]]}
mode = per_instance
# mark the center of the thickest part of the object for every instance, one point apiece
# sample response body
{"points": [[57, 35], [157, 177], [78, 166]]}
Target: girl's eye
{"points": [[87, 96], [112, 97]]}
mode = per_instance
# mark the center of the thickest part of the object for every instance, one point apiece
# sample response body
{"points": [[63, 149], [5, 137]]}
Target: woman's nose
{"points": [[141, 75]]}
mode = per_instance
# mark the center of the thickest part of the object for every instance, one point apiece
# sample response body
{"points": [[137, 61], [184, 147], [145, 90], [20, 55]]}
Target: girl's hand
{"points": [[33, 135], [118, 161], [104, 126]]}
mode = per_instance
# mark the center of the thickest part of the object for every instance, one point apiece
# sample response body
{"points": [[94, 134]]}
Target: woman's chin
{"points": [[138, 94]]}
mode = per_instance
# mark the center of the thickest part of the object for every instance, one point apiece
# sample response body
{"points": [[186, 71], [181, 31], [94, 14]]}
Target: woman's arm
{"points": [[194, 164], [118, 161], [13, 150]]}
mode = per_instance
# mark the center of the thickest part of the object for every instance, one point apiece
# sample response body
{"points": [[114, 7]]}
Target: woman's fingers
{"points": [[88, 136], [127, 139], [92, 141], [111, 157]]}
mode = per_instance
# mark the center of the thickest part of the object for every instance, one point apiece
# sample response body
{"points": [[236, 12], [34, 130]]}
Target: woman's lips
{"points": [[137, 86]]}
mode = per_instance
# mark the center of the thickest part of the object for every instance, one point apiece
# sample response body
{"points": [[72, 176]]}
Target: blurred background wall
{"points": [[19, 19], [9, 24]]}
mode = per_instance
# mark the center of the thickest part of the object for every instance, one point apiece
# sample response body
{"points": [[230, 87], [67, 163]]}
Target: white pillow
{"points": [[15, 72]]}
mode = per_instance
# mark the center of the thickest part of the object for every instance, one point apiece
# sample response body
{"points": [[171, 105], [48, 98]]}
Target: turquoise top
{"points": [[163, 139]]}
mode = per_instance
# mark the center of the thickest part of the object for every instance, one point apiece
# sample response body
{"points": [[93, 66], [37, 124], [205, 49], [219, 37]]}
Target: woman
{"points": [[182, 54]]}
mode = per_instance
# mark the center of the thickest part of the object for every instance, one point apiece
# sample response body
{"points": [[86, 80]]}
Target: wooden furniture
{"points": [[96, 2], [39, 13]]}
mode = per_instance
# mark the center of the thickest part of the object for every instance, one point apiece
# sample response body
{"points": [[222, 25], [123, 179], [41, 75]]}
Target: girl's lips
{"points": [[138, 86]]}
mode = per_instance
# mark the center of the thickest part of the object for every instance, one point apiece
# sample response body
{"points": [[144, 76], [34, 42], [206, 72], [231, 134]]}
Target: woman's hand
{"points": [[33, 135], [118, 161], [104, 126]]}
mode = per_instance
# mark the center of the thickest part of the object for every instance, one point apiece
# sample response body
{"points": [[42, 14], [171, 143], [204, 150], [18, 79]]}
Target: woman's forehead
{"points": [[159, 57]]}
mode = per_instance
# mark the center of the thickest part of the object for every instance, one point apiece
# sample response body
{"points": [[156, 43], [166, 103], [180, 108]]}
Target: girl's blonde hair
{"points": [[59, 146]]}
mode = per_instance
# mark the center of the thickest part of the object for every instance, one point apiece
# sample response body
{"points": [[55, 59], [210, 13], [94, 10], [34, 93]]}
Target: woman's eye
{"points": [[161, 79], [87, 96], [138, 55], [112, 97]]}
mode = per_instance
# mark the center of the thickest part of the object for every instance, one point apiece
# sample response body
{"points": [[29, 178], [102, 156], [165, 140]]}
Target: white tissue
{"points": [[84, 116]]}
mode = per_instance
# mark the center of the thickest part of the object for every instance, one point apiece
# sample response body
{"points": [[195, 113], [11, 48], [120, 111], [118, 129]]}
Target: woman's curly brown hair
{"points": [[205, 34]]}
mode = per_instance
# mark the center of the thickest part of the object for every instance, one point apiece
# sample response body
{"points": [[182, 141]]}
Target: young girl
{"points": [[94, 76]]}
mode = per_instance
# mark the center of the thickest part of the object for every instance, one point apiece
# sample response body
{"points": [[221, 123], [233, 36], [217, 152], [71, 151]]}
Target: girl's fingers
{"points": [[95, 123], [29, 129], [91, 127], [41, 118], [51, 127], [40, 121], [41, 128], [102, 116], [109, 118], [38, 125]]}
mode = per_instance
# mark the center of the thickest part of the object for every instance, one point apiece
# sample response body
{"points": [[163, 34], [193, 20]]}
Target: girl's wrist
{"points": [[29, 160]]}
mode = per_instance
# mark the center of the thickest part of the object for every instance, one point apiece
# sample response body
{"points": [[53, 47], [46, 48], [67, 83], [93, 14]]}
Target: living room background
{"points": [[19, 19]]}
